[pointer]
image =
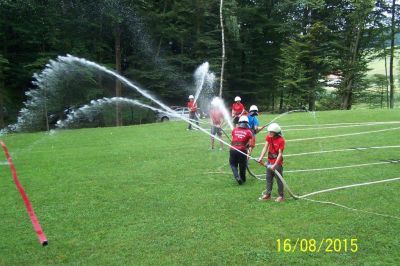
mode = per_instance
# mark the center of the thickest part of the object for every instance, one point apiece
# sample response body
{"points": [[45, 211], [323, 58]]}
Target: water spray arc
{"points": [[95, 105], [220, 105], [70, 58], [47, 81], [203, 78]]}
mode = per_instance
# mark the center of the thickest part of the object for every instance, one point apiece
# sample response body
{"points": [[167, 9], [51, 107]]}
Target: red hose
{"points": [[32, 215]]}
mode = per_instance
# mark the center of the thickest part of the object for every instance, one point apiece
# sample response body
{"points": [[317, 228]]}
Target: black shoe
{"points": [[240, 181]]}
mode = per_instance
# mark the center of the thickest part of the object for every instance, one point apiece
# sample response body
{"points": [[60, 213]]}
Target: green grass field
{"points": [[154, 194]]}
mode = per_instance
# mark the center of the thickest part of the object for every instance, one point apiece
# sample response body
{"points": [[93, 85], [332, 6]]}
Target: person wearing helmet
{"points": [[217, 118], [241, 136], [237, 110], [274, 144], [192, 106], [253, 125]]}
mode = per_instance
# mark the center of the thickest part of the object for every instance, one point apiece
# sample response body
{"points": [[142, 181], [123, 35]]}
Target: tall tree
{"points": [[303, 60], [3, 68], [118, 68], [221, 18], [392, 39], [353, 52]]}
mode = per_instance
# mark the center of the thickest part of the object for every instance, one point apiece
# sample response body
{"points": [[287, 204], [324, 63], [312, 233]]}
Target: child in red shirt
{"points": [[274, 144], [192, 106], [241, 137], [216, 129], [237, 110]]}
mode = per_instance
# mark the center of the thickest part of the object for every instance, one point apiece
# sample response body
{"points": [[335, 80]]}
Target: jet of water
{"points": [[50, 83], [70, 58], [200, 76], [95, 107], [219, 103]]}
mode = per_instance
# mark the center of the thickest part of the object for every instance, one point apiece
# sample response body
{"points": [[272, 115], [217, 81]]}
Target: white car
{"points": [[182, 111]]}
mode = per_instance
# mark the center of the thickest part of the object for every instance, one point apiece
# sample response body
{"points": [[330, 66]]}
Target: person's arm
{"points": [[264, 150], [280, 155], [256, 124], [222, 121], [249, 145], [261, 128]]}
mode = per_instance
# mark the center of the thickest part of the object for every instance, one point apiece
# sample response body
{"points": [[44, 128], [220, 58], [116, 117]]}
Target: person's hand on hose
{"points": [[260, 161]]}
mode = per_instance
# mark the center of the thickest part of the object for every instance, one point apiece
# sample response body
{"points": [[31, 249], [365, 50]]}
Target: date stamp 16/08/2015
{"points": [[326, 245]]}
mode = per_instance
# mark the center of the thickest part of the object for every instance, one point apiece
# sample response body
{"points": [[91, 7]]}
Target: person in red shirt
{"points": [[217, 119], [237, 110], [241, 137], [192, 106], [274, 144]]}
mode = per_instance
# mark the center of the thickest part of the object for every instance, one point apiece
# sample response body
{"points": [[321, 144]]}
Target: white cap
{"points": [[243, 119], [191, 97], [274, 127], [253, 108], [237, 98]]}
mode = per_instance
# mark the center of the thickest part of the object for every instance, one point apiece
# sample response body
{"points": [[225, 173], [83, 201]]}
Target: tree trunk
{"points": [[2, 86], [392, 36], [159, 47], [311, 101], [182, 54], [161, 38], [281, 102], [46, 113], [273, 102], [118, 86], [348, 91], [221, 81], [2, 89], [386, 80]]}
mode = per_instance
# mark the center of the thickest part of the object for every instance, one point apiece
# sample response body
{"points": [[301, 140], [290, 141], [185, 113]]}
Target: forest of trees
{"points": [[278, 53]]}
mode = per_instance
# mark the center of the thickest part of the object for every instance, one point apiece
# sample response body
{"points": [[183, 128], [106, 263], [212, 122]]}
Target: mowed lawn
{"points": [[155, 195]]}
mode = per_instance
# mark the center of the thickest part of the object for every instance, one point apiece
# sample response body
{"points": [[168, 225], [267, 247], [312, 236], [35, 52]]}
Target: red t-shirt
{"points": [[240, 137], [192, 106], [237, 108], [275, 144], [216, 117]]}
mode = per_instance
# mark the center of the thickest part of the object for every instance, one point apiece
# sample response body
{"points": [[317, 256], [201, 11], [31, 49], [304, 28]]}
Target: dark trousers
{"points": [[193, 116], [270, 178], [237, 159]]}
